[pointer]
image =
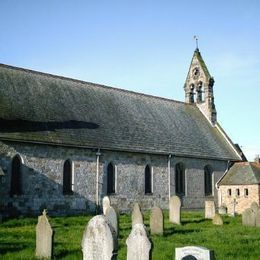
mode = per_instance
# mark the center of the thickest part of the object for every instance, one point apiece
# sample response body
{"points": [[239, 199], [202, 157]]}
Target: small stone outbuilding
{"points": [[240, 185]]}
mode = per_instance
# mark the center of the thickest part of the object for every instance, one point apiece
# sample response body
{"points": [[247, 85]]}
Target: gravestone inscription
{"points": [[175, 210], [44, 237], [209, 209], [249, 218], [138, 244], [98, 241], [193, 253], [156, 221], [137, 216]]}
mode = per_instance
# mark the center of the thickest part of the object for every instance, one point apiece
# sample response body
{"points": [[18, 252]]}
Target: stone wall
{"points": [[42, 172], [243, 201]]}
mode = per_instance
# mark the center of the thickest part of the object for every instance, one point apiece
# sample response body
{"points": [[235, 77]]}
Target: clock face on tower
{"points": [[195, 73]]}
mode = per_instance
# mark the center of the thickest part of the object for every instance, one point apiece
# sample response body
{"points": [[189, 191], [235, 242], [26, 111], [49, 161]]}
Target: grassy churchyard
{"points": [[230, 241]]}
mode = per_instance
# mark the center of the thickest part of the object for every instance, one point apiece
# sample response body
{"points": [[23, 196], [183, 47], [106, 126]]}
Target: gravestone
{"points": [[249, 218], [222, 210], [98, 241], [175, 210], [257, 218], [137, 217], [105, 204], [209, 209], [156, 221], [112, 218], [44, 236], [138, 244], [217, 220], [193, 253], [254, 206]]}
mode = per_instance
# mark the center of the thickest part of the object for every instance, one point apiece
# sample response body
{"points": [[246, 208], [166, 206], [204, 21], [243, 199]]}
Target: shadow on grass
{"points": [[68, 252], [171, 231], [196, 221], [13, 247]]}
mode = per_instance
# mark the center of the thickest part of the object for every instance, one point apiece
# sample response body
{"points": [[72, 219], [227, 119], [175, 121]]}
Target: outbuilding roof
{"points": [[44, 108], [242, 173]]}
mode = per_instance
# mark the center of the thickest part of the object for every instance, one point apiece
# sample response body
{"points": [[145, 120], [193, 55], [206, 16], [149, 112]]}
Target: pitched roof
{"points": [[43, 108], [202, 63], [242, 173]]}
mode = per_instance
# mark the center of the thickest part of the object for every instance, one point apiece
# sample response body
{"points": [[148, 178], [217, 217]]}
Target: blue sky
{"points": [[145, 46]]}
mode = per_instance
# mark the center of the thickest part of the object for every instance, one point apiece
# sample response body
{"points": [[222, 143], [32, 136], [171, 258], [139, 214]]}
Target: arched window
{"points": [[67, 178], [208, 180], [110, 179], [16, 178], [148, 180], [200, 96], [180, 179]]}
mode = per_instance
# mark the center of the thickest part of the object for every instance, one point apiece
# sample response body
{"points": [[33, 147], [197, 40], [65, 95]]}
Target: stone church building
{"points": [[66, 143]]}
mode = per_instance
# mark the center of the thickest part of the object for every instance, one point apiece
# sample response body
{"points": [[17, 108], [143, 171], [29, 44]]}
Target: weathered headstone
{"points": [[193, 253], [257, 218], [249, 218], [217, 220], [137, 216], [44, 236], [112, 218], [175, 210], [222, 210], [105, 204], [138, 244], [254, 206], [98, 241], [209, 209], [156, 221]]}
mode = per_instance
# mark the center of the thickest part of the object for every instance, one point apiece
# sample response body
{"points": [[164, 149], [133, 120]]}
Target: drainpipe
{"points": [[169, 175], [217, 186], [97, 180]]}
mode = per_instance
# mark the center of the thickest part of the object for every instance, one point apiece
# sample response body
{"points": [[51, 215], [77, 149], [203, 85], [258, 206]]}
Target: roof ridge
{"points": [[90, 83]]}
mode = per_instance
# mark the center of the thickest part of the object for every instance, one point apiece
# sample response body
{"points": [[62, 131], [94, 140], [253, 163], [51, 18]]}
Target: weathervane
{"points": [[195, 37]]}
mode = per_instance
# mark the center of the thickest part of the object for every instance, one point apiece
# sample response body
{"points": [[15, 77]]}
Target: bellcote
{"points": [[199, 87]]}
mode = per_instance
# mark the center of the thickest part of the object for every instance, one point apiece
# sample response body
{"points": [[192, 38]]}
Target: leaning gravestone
{"points": [[222, 210], [105, 204], [43, 237], [156, 221], [257, 218], [112, 218], [193, 253], [249, 218], [217, 220], [98, 241], [254, 206], [137, 217], [138, 244], [209, 209], [175, 210]]}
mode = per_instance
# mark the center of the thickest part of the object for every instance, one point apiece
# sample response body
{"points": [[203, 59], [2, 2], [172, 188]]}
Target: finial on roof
{"points": [[195, 37]]}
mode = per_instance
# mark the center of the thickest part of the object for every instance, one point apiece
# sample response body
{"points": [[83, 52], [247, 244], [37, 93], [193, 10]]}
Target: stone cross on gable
{"points": [[234, 203]]}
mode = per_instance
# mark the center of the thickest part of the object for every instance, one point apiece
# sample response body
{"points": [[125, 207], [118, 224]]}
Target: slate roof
{"points": [[242, 173], [43, 108]]}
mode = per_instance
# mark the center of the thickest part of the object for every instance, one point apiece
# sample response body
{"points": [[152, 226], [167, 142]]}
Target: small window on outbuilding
{"points": [[16, 176], [110, 178], [229, 192], [246, 192], [67, 178], [148, 180], [237, 192], [180, 179]]}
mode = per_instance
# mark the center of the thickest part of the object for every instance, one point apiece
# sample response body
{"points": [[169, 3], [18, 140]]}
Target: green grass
{"points": [[231, 241]]}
